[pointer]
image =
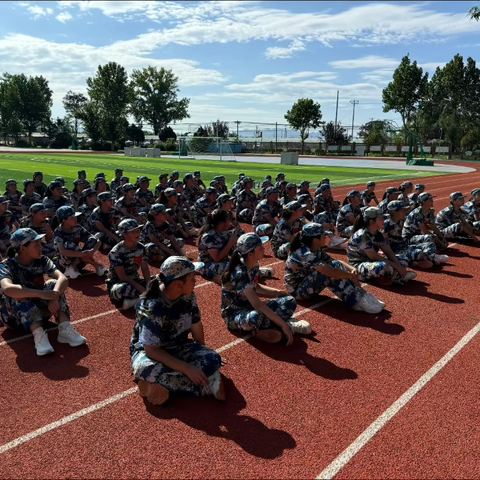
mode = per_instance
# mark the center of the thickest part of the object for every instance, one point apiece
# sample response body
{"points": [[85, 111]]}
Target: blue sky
{"points": [[240, 60]]}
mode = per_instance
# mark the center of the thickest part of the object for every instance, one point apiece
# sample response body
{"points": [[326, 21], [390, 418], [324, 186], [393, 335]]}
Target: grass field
{"points": [[21, 166]]}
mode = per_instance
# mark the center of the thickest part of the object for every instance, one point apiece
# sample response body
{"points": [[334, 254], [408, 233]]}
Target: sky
{"points": [[240, 60]]}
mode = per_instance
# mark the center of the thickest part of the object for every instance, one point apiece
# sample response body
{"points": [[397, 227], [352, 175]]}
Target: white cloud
{"points": [[64, 17], [36, 11], [370, 61], [285, 52]]}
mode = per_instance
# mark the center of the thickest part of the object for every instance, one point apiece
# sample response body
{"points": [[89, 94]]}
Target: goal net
{"points": [[207, 148]]}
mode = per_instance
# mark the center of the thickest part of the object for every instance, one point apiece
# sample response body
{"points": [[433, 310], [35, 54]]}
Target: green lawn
{"points": [[21, 166]]}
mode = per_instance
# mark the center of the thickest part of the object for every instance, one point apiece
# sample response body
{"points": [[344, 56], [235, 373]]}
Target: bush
{"points": [[158, 145], [169, 144], [22, 144], [102, 146]]}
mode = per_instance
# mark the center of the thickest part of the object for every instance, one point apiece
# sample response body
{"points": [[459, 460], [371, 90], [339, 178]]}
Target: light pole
{"points": [[353, 102]]}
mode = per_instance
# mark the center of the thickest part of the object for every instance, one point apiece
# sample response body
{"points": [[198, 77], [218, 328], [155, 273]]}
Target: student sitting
{"points": [[368, 195], [54, 198], [7, 225], [29, 197], [128, 206], [143, 195], [471, 211], [13, 196], [286, 228], [348, 213], [40, 187], [267, 213], [203, 206], [390, 194], [104, 221], [246, 201], [37, 221], [86, 206]]}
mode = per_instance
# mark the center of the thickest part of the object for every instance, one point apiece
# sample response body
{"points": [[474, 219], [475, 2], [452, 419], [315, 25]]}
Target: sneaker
{"points": [[100, 270], [409, 276], [439, 259], [301, 327], [129, 303], [42, 345], [67, 334], [215, 386], [337, 242], [156, 394], [366, 304], [374, 299], [266, 272], [269, 335], [71, 273]]}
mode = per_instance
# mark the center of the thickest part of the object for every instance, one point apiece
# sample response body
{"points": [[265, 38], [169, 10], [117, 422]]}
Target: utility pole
{"points": [[353, 102], [336, 112], [238, 123], [276, 136]]}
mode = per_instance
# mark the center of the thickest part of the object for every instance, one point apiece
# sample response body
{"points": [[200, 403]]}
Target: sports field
{"points": [[21, 166]]}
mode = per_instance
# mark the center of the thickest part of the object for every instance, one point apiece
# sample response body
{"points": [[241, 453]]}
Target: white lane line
{"points": [[119, 396], [334, 467]]}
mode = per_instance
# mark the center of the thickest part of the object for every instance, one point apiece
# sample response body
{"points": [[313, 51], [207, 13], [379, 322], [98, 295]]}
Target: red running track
{"points": [[290, 412]]}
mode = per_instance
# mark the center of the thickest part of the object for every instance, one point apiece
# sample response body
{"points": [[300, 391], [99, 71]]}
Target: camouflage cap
{"points": [[419, 186], [353, 193], [175, 173], [117, 170], [313, 229], [213, 183], [143, 178], [37, 174], [279, 174], [169, 192], [196, 173], [423, 197], [241, 175], [10, 181], [129, 186], [81, 171], [60, 179], [177, 183], [4, 199], [304, 182], [37, 207], [24, 235], [100, 174], [249, 241], [177, 267], [246, 180], [208, 191], [224, 197], [128, 225], [54, 184], [324, 186], [157, 208], [65, 212], [188, 176], [101, 197], [265, 183], [89, 191], [290, 186], [163, 175], [456, 195], [390, 190], [271, 190], [79, 181], [371, 183], [372, 213], [475, 191], [98, 180], [27, 181], [325, 180], [123, 178], [304, 198], [293, 206], [219, 177], [396, 205], [406, 184]]}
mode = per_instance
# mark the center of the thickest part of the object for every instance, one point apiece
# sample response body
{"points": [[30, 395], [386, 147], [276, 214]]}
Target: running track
{"points": [[391, 396]]}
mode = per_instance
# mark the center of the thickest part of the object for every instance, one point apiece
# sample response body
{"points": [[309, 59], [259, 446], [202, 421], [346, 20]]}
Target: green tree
{"points": [[90, 116], [375, 132], [167, 133], [73, 103], [155, 99], [304, 115], [10, 124], [407, 89], [134, 133], [111, 91], [334, 136], [474, 13]]}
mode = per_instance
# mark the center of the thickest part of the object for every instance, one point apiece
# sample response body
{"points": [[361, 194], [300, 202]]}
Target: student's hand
{"points": [[53, 307], [196, 375], [282, 293], [288, 333], [48, 295], [401, 270]]}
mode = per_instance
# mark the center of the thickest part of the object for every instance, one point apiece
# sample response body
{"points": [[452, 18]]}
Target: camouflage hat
{"points": [[265, 183], [324, 186], [279, 174], [247, 179], [117, 170], [27, 181], [196, 173], [249, 241], [24, 235], [188, 176], [268, 177], [157, 208], [390, 190], [293, 206], [219, 177], [241, 175], [419, 185], [353, 193], [475, 191], [100, 174], [304, 198], [371, 183], [283, 182], [36, 207], [129, 186], [304, 182], [128, 225], [406, 184], [54, 184], [65, 212], [123, 178], [79, 181], [98, 180], [175, 173], [177, 183], [163, 175], [213, 183], [101, 197], [208, 191], [313, 229], [423, 197], [169, 192], [81, 171], [177, 267], [37, 174], [396, 205], [224, 197], [372, 213], [325, 180], [290, 186], [89, 191], [10, 181], [271, 190], [456, 195], [143, 178], [4, 199], [60, 179]]}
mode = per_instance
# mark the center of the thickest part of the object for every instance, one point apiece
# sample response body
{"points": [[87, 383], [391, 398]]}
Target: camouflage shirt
{"points": [[282, 229], [264, 207], [394, 230], [233, 291], [342, 219], [132, 207], [75, 235], [28, 200], [448, 216], [51, 204], [108, 219], [247, 198], [363, 240], [147, 196], [469, 210], [414, 218], [160, 232], [31, 276], [209, 240], [128, 258]]}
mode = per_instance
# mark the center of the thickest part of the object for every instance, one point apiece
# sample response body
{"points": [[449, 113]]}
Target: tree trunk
{"points": [[303, 145]]}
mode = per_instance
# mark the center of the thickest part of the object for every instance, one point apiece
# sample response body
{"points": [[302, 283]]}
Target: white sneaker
{"points": [[337, 242], [100, 270], [72, 273], [441, 259], [409, 276], [67, 334], [373, 298], [42, 345], [300, 326], [215, 386], [366, 304], [266, 272], [129, 303]]}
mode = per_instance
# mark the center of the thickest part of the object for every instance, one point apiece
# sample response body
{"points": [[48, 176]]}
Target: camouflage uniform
{"points": [[245, 214], [262, 227], [344, 227], [449, 222], [48, 248], [28, 200], [411, 232], [161, 233], [280, 245], [85, 219], [22, 312], [133, 208], [199, 212], [383, 206], [368, 196], [191, 193], [166, 324], [130, 259], [14, 199], [7, 221], [109, 220], [51, 204], [237, 311], [41, 189], [114, 184], [367, 269], [216, 240], [327, 205], [70, 241], [469, 210], [303, 281], [147, 196]]}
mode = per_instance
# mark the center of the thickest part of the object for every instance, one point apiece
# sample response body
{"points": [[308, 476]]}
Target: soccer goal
{"points": [[206, 148]]}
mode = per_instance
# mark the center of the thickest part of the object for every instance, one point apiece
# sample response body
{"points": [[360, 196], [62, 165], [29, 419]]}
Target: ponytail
{"points": [[153, 289], [12, 252], [235, 260], [300, 239], [360, 222], [212, 221], [346, 201], [55, 222], [286, 215]]}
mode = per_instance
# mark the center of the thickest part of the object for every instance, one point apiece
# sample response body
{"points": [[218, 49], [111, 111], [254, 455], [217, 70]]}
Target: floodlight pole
{"points": [[336, 112], [276, 136], [354, 102]]}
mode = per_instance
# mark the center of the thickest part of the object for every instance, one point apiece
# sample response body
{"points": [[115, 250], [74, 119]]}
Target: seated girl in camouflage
{"points": [[161, 186], [13, 196], [37, 221], [190, 189], [286, 228], [115, 182], [246, 201], [363, 247], [203, 206], [118, 193], [55, 199], [451, 220], [225, 202], [390, 194], [86, 206], [323, 202], [420, 255], [267, 213], [164, 359], [169, 198], [67, 236], [262, 194], [173, 176], [128, 206], [104, 220], [368, 195], [40, 186], [7, 224], [76, 193], [405, 189], [215, 244], [419, 226], [289, 194], [158, 236], [413, 197], [29, 197], [471, 210], [348, 213], [309, 270], [28, 300], [126, 260], [143, 195], [242, 309]]}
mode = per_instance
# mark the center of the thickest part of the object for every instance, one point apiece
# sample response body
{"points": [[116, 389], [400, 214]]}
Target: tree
{"points": [[167, 133], [304, 115], [375, 132], [9, 121], [73, 103], [112, 94], [155, 98], [89, 114], [134, 133], [335, 136], [474, 13], [404, 93], [220, 129]]}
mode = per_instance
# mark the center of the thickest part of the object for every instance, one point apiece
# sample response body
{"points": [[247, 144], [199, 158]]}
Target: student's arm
{"points": [[387, 250], [14, 290], [69, 253], [375, 257], [62, 281], [175, 245], [217, 254], [120, 271], [270, 292], [270, 219], [289, 238], [258, 305], [145, 271], [333, 272], [351, 218], [468, 229], [159, 244], [48, 229], [197, 333], [99, 225]]}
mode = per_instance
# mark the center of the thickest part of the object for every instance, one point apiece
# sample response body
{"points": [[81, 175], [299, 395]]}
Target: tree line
{"points": [[149, 95]]}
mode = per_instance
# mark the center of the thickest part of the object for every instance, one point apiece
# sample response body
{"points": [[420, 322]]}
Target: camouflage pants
{"points": [[418, 252], [282, 252], [452, 230], [245, 215], [475, 226], [247, 319], [107, 242], [422, 239], [347, 233], [264, 229], [153, 249], [123, 290], [369, 270], [192, 353], [343, 288], [210, 269], [67, 261], [48, 249], [19, 313]]}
